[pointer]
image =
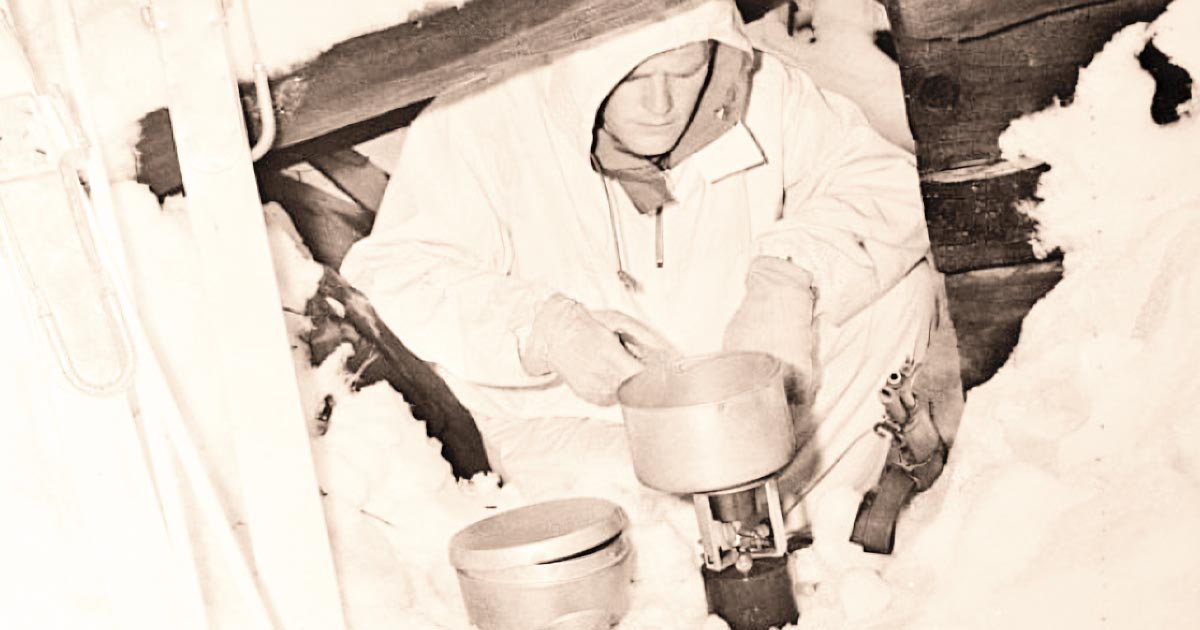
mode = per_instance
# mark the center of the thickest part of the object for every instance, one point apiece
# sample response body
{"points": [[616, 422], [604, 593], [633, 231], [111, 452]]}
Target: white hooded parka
{"points": [[494, 205]]}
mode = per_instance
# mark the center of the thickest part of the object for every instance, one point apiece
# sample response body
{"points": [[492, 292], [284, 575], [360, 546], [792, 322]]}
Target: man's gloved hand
{"points": [[593, 352], [776, 317]]}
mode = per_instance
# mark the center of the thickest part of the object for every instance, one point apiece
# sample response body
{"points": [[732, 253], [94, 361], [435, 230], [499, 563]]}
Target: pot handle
{"points": [[590, 619]]}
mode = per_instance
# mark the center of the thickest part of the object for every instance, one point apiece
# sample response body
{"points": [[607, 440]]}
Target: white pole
{"points": [[190, 604], [281, 501], [163, 425]]}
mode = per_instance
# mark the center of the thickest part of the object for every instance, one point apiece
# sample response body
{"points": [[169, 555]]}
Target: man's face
{"points": [[649, 109]]}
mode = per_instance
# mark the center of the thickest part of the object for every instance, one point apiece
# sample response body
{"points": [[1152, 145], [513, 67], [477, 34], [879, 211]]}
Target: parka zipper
{"points": [[626, 279], [658, 237]]}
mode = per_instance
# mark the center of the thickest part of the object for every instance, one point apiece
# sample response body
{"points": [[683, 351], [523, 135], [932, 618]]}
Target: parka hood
{"points": [[578, 83]]}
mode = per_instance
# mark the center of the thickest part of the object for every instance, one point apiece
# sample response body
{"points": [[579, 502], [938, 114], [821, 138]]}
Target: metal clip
{"points": [[886, 428]]}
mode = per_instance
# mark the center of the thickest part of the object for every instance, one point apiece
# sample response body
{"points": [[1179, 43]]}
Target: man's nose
{"points": [[657, 98]]}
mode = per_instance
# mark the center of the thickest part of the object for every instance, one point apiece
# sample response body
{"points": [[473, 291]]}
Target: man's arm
{"points": [[852, 213], [436, 265]]}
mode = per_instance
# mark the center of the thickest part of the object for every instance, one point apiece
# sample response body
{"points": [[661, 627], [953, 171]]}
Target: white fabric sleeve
{"points": [[852, 214], [437, 263]]}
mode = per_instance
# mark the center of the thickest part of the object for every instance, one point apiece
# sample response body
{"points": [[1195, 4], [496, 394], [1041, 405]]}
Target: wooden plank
{"points": [[961, 95], [354, 174], [157, 163], [329, 225], [987, 307], [345, 138], [446, 52], [973, 220], [380, 355], [752, 10], [965, 19], [473, 46]]}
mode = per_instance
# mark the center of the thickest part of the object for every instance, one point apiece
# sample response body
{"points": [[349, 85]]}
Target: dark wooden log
{"points": [[752, 10], [380, 355], [966, 19], [328, 224], [345, 138], [157, 162], [973, 218], [446, 52], [987, 307], [961, 95], [354, 174]]}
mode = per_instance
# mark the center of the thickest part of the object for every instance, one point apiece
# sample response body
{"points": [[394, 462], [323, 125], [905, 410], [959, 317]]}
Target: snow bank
{"points": [[1070, 498]]}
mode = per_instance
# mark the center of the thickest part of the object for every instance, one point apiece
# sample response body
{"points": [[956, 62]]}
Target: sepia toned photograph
{"points": [[592, 314]]}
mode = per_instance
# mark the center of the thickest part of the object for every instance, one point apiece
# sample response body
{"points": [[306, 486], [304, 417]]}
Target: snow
{"points": [[126, 79], [1067, 501]]}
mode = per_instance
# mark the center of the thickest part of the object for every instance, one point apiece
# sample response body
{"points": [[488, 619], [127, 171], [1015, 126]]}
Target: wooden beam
{"points": [[988, 306], [354, 174], [382, 356], [329, 225], [961, 95], [156, 154], [965, 19], [344, 138], [446, 52], [752, 10], [973, 216]]}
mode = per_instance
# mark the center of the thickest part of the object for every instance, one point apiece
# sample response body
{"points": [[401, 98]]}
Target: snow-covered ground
{"points": [[1070, 499]]}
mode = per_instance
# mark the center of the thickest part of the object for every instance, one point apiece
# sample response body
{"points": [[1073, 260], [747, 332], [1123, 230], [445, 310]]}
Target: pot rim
{"points": [[536, 533], [768, 380], [542, 574]]}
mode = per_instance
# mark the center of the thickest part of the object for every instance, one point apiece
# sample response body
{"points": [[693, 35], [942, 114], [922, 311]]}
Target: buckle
{"points": [[889, 429]]}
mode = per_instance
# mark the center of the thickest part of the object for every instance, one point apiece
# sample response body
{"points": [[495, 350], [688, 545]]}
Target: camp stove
{"points": [[717, 427], [741, 524]]}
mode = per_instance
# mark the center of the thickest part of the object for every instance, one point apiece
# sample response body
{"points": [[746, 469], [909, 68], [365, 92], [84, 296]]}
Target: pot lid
{"points": [[536, 534]]}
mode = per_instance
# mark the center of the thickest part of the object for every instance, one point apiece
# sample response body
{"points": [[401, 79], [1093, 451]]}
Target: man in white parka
{"points": [[670, 183]]}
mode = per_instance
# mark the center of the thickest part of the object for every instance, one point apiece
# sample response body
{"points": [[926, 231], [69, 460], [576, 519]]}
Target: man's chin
{"points": [[650, 149]]}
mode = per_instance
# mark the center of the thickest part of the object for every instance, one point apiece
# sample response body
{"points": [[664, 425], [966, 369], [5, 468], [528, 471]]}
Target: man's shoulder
{"points": [[772, 70], [483, 105]]}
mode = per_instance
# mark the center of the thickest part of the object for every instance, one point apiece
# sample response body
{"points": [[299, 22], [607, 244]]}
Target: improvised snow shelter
{"points": [[969, 68]]}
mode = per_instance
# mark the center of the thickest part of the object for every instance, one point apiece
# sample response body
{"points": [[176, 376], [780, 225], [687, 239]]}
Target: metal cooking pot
{"points": [[707, 423], [558, 565]]}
